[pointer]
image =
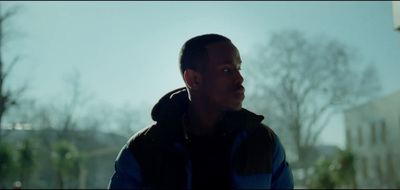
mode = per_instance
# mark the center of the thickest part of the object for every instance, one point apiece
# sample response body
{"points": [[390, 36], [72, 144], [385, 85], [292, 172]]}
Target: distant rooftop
{"points": [[17, 126], [381, 98]]}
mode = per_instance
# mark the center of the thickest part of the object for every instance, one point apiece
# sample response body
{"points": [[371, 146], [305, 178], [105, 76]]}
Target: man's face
{"points": [[222, 81]]}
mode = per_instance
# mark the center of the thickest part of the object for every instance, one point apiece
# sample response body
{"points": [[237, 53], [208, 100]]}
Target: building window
{"points": [[383, 124], [373, 137], [364, 167], [359, 136], [379, 168]]}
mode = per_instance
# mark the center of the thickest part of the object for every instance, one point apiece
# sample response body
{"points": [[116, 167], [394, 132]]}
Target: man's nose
{"points": [[238, 78]]}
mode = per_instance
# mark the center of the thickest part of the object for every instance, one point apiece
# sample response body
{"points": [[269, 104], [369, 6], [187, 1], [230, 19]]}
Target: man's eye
{"points": [[227, 70]]}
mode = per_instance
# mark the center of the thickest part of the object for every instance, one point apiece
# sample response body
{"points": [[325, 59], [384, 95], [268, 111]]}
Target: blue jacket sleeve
{"points": [[281, 173], [127, 172]]}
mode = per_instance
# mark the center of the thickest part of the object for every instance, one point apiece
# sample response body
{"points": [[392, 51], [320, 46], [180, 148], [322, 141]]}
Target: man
{"points": [[202, 137]]}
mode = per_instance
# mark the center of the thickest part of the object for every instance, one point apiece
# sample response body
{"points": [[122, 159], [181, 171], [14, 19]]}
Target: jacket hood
{"points": [[173, 104]]}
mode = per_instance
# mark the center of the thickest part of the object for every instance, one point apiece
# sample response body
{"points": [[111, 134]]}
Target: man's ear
{"points": [[192, 78]]}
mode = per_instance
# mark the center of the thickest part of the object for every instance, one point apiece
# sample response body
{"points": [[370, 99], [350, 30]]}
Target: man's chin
{"points": [[232, 106], [236, 107]]}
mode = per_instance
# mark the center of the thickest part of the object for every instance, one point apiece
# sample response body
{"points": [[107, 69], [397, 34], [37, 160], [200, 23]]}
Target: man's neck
{"points": [[202, 120]]}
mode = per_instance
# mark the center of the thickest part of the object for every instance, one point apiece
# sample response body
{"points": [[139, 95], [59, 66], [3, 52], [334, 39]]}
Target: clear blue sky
{"points": [[127, 52]]}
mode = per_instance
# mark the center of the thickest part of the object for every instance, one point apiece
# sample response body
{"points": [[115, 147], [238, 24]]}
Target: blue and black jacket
{"points": [[155, 157]]}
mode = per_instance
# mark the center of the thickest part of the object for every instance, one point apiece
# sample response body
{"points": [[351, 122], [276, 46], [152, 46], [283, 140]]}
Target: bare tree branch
{"points": [[9, 68], [306, 80]]}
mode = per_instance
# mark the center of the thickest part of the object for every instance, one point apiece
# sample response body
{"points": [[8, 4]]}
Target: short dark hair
{"points": [[194, 51]]}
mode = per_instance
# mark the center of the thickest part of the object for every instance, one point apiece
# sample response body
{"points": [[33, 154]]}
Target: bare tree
{"points": [[129, 120], [75, 104], [61, 130], [299, 83], [8, 97]]}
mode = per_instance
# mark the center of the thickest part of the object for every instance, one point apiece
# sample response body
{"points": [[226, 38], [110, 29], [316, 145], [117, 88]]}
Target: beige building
{"points": [[373, 134], [396, 14]]}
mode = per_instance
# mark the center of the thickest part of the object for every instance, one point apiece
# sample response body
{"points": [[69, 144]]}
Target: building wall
{"points": [[372, 133], [396, 14]]}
